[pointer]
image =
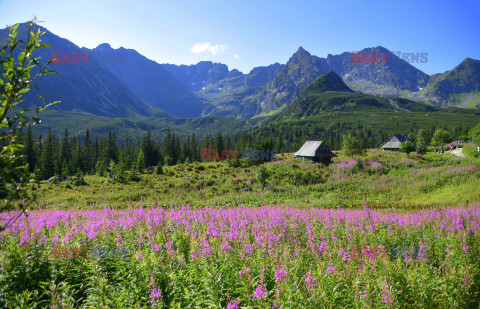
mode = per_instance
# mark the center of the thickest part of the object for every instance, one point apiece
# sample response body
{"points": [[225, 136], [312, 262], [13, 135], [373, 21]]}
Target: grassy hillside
{"points": [[379, 179], [326, 116], [78, 122]]}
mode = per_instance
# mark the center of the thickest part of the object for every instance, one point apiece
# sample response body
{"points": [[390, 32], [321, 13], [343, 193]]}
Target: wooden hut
{"points": [[395, 143], [316, 151]]}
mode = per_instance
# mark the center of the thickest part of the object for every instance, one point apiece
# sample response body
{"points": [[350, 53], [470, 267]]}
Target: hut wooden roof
{"points": [[314, 149], [396, 141]]}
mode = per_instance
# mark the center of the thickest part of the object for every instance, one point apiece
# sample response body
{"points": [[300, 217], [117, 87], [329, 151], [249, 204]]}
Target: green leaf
{"points": [[47, 72], [21, 56], [24, 90]]}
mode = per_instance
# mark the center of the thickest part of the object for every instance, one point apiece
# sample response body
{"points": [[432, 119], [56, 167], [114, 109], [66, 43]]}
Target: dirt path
{"points": [[457, 152]]}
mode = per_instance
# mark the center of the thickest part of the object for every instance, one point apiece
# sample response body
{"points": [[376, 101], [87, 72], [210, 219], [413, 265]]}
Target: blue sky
{"points": [[245, 34]]}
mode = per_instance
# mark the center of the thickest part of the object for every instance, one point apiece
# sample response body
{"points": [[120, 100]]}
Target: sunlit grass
{"points": [[384, 179]]}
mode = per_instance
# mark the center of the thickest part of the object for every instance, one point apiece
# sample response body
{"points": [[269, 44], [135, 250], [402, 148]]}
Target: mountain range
{"points": [[122, 83]]}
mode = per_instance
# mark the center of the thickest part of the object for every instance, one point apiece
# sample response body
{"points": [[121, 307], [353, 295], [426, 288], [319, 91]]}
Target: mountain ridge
{"points": [[135, 86], [84, 86]]}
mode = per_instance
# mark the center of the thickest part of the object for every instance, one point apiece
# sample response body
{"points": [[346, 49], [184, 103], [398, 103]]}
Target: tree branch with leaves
{"points": [[19, 69]]}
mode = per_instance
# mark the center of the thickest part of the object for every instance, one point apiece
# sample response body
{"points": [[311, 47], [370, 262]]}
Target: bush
{"points": [[423, 139], [262, 175], [168, 161], [133, 176], [471, 151], [79, 180], [159, 169], [233, 163], [441, 137], [407, 147], [475, 134], [357, 167], [351, 146]]}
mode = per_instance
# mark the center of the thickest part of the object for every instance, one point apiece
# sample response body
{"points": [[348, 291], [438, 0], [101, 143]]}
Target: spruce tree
{"points": [[219, 146], [140, 161], [88, 158], [159, 169], [48, 158], [30, 149], [194, 151]]}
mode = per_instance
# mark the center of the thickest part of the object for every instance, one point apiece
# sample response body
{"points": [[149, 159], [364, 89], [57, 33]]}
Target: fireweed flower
{"points": [[243, 273], [233, 305], [344, 254], [25, 239], [155, 247], [225, 246], [278, 229], [422, 252], [331, 269], [246, 252], [194, 255], [206, 251], [66, 239], [386, 299], [155, 294], [310, 281], [280, 274], [260, 292], [91, 234]]}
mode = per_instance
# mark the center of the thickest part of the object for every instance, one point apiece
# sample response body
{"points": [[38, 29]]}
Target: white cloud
{"points": [[236, 56], [208, 47]]}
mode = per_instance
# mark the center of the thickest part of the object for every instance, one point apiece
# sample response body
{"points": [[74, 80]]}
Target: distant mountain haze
{"points": [[86, 86], [149, 81]]}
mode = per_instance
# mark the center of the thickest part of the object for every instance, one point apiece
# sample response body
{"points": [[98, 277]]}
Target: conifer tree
{"points": [[88, 154], [30, 149], [140, 161], [48, 158]]}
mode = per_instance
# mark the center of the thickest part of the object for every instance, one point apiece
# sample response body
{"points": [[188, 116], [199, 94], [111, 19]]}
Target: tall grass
{"points": [[379, 179]]}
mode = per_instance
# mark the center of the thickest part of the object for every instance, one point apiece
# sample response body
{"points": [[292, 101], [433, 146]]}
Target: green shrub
{"points": [[159, 169], [407, 147], [352, 146], [79, 180], [262, 175], [133, 176], [441, 137], [471, 151]]}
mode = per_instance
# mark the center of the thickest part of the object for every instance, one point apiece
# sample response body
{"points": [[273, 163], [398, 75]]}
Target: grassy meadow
{"points": [[379, 179], [384, 230]]}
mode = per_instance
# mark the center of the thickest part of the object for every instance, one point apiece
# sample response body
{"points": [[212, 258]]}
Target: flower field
{"points": [[263, 257]]}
